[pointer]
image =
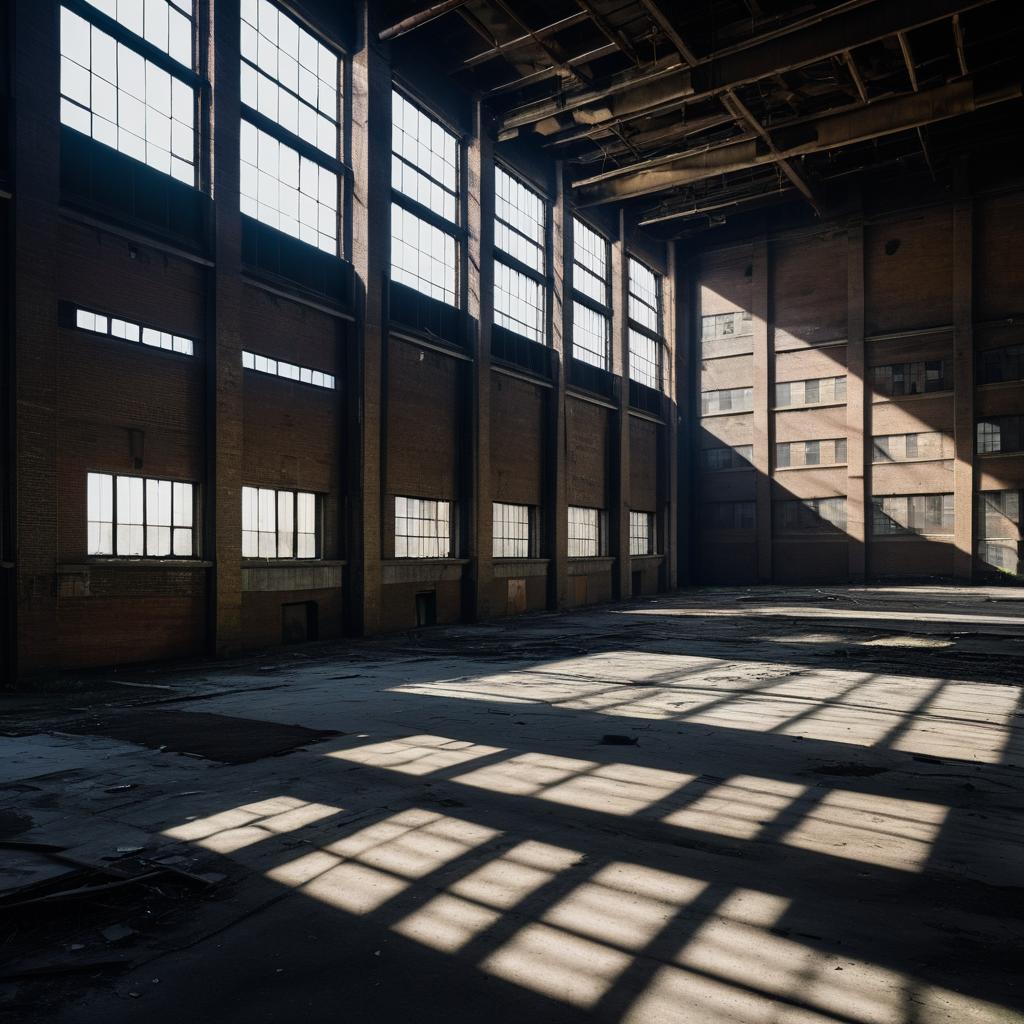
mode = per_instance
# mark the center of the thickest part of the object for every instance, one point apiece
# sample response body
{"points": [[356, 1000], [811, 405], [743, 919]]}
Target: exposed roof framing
{"points": [[702, 110]]}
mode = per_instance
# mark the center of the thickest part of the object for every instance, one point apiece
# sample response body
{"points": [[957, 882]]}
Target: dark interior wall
{"points": [[518, 420], [643, 464], [586, 429], [126, 409]]}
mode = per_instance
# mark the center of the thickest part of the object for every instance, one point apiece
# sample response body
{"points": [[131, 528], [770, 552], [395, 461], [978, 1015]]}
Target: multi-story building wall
{"points": [[861, 388], [296, 350]]}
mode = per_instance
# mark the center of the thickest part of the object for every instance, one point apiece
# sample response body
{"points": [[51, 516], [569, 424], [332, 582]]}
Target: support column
{"points": [[764, 400], [371, 243], [557, 502], [963, 391], [36, 165], [669, 469], [480, 304], [224, 342], [858, 408], [618, 441]]}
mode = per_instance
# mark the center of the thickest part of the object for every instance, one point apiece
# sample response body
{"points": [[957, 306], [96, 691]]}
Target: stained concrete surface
{"points": [[820, 820]]}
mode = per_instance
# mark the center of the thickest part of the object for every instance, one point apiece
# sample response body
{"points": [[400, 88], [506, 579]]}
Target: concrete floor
{"points": [[820, 819]]}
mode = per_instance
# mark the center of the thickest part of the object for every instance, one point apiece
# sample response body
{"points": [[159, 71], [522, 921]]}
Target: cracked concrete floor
{"points": [[775, 806]]}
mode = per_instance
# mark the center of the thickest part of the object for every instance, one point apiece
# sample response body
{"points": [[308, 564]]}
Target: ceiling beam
{"points": [[414, 21], [855, 75], [958, 38], [828, 34], [697, 209], [503, 49], [612, 34], [884, 117]]}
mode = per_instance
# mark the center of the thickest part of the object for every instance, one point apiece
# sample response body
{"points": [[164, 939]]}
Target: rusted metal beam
{"points": [[701, 209], [503, 49], [415, 21], [827, 34], [609, 31], [553, 71], [735, 105], [884, 117], [958, 38], [858, 81], [908, 60]]}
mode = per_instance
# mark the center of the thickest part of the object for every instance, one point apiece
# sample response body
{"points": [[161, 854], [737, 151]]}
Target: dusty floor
{"points": [[782, 806]]}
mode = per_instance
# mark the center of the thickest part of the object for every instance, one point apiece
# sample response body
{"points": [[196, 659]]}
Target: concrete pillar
{"points": [[963, 393], [371, 245], [224, 342], [479, 263], [557, 506], [668, 470], [858, 409], [36, 167], [764, 401], [618, 441]]}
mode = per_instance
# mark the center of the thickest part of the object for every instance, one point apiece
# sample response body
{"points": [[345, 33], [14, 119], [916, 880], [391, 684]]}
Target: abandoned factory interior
{"points": [[512, 510]]}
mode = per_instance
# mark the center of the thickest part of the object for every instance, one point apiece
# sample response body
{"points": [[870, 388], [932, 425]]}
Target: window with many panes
{"points": [[645, 325], [425, 201], [810, 515], [719, 459], [999, 530], [139, 517], [591, 299], [900, 379], [728, 515], [905, 447], [641, 533], [1000, 434], [142, 106], [726, 400], [520, 264], [514, 529], [279, 524], [291, 171], [587, 533], [820, 391], [280, 368], [718, 326], [423, 528], [128, 330], [830, 452], [1001, 364], [912, 513]]}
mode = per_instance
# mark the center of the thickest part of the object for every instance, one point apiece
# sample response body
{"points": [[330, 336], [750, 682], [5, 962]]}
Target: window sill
{"points": [[946, 538], [511, 568], [288, 563], [817, 465], [995, 455], [896, 399], [727, 412], [132, 563], [910, 462], [812, 405], [590, 565], [731, 469], [646, 558], [422, 570]]}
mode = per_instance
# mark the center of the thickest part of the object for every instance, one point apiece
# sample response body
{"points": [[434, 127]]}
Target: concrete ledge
{"points": [[590, 566], [647, 559], [422, 570], [517, 568], [289, 576], [74, 568]]}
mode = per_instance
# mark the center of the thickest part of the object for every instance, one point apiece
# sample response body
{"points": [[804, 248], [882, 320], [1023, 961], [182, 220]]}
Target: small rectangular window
{"points": [[783, 454], [513, 531], [423, 528], [279, 368], [839, 452], [126, 330], [586, 532], [139, 517], [279, 523], [645, 323], [812, 453], [641, 533]]}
